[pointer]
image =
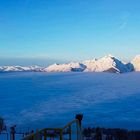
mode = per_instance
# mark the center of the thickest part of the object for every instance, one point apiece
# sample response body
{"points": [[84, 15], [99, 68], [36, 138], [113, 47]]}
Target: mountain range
{"points": [[105, 64]]}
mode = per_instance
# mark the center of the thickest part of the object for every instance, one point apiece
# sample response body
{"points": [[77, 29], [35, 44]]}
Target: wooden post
{"points": [[61, 134], [70, 132], [79, 117], [45, 134], [12, 133]]}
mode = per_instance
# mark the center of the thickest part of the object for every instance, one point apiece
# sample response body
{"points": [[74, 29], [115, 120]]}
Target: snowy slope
{"points": [[105, 64], [136, 63], [65, 67], [20, 68]]}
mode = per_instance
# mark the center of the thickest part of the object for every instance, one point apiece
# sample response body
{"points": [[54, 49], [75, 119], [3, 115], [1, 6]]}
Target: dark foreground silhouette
{"points": [[110, 134], [89, 133]]}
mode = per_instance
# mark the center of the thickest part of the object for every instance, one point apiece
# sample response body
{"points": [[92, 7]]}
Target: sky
{"points": [[47, 31]]}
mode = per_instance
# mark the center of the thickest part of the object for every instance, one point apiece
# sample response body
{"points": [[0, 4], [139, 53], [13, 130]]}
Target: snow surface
{"points": [[52, 99], [105, 64], [65, 67], [136, 63], [20, 68], [108, 63]]}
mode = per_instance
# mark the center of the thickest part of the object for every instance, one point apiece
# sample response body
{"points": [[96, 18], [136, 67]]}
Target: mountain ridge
{"points": [[107, 63]]}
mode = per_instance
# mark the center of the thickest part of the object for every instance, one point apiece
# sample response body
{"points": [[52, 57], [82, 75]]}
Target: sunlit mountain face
{"points": [[105, 64]]}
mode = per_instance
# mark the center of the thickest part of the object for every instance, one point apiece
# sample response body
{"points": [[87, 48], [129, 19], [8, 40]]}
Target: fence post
{"points": [[79, 117], [70, 132], [61, 134], [12, 132], [45, 134]]}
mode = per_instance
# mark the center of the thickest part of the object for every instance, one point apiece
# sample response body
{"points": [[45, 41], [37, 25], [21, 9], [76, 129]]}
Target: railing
{"points": [[72, 131]]}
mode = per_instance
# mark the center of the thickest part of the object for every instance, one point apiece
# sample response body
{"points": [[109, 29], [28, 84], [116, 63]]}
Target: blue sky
{"points": [[62, 30]]}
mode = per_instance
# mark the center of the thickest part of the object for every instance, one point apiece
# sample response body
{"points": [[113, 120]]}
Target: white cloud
{"points": [[123, 25], [124, 19]]}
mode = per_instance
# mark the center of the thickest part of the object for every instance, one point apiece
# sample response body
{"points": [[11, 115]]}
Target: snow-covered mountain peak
{"points": [[136, 63], [67, 67], [136, 58], [109, 56], [108, 63], [20, 68]]}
